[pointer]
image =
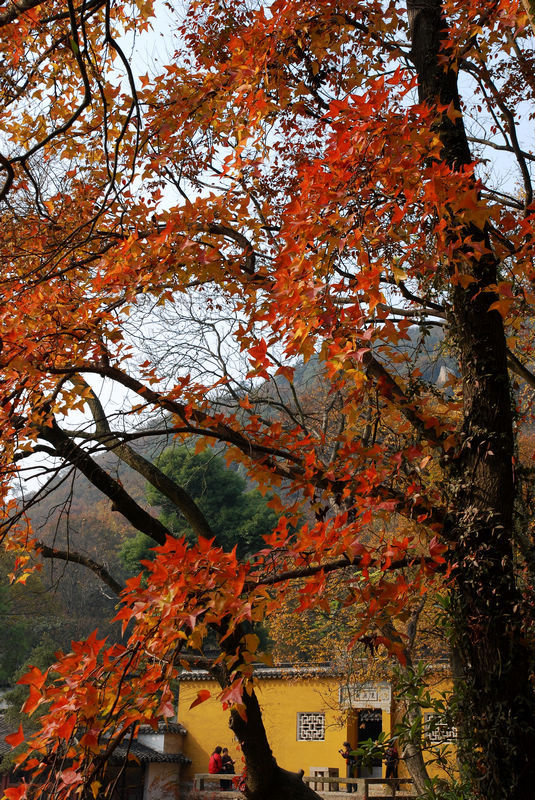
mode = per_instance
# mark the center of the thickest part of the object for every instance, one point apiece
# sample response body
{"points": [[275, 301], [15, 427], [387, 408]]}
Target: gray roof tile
{"points": [[146, 754]]}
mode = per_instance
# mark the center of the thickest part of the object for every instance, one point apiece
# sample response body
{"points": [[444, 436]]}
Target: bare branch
{"points": [[77, 558]]}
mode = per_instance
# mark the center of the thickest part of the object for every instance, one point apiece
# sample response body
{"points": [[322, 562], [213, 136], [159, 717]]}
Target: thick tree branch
{"points": [[7, 166], [75, 455], [240, 239], [103, 434], [309, 570], [504, 147], [273, 457], [516, 366]]}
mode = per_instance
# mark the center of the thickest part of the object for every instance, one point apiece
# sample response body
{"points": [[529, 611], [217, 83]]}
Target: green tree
{"points": [[16, 641], [237, 517], [23, 617]]}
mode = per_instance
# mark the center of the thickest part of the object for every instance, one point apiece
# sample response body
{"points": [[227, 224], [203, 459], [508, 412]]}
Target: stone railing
{"points": [[207, 786], [365, 788]]}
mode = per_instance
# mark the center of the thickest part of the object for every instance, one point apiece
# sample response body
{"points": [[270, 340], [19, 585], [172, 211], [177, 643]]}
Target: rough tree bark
{"points": [[497, 737], [265, 779]]}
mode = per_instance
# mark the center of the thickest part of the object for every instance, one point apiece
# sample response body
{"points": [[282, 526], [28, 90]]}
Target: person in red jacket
{"points": [[215, 765]]}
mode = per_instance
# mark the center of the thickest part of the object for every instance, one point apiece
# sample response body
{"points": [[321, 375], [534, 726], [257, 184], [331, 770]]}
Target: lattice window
{"points": [[437, 732], [310, 726]]}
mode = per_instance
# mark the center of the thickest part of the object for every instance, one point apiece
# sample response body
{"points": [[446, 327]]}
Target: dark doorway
{"points": [[370, 725]]}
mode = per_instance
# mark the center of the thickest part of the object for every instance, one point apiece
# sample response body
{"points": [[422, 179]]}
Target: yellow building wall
{"points": [[280, 700], [440, 684]]}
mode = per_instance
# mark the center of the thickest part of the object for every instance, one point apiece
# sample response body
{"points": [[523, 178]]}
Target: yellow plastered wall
{"points": [[281, 699], [438, 684]]}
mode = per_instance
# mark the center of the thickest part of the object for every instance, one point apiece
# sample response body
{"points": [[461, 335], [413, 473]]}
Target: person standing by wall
{"points": [[391, 760], [350, 765]]}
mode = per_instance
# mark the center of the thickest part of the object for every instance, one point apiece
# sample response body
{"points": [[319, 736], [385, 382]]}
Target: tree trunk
{"points": [[412, 744], [414, 761], [496, 702], [265, 779]]}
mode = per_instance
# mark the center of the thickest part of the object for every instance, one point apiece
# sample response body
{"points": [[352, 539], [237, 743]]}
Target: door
{"points": [[370, 725]]}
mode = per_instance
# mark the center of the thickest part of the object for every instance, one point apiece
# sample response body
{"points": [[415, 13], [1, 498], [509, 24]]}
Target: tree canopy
{"points": [[287, 182], [238, 518]]}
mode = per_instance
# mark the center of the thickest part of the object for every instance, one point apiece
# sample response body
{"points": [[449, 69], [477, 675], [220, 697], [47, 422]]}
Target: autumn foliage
{"points": [[307, 181]]}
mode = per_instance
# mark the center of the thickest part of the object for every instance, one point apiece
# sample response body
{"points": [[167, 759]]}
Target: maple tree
{"points": [[310, 171]]}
